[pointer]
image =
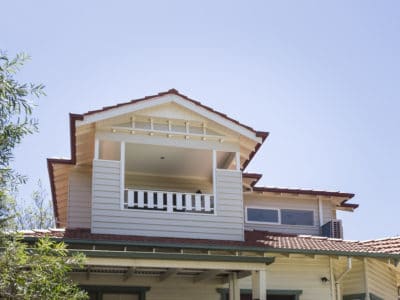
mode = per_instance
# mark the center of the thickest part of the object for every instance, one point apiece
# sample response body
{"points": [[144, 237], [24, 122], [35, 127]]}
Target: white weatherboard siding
{"points": [[261, 201], [80, 196], [381, 280], [328, 211], [108, 218]]}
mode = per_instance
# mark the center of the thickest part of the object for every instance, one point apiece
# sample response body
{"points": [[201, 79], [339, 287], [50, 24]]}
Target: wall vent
{"points": [[333, 229]]}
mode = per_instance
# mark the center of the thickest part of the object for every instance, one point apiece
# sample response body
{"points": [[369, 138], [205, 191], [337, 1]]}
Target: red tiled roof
{"points": [[387, 245], [262, 240]]}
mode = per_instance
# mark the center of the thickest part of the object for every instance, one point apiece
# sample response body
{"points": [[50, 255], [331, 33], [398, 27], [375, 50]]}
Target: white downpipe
{"points": [[337, 283]]}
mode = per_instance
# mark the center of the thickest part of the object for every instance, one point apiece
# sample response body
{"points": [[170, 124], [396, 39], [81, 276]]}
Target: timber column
{"points": [[259, 284]]}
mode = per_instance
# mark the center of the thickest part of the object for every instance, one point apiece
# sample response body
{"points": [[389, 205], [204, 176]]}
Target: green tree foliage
{"points": [[40, 272], [16, 121], [37, 214]]}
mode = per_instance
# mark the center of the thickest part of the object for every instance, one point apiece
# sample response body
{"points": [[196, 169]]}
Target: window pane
{"points": [[297, 217], [110, 296], [262, 215]]}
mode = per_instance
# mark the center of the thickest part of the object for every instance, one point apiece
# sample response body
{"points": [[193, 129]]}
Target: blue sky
{"points": [[321, 76]]}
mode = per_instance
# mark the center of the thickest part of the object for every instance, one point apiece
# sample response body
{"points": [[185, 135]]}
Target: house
{"points": [[156, 195]]}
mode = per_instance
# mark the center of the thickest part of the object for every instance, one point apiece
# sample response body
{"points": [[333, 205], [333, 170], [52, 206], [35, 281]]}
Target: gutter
{"points": [[264, 249]]}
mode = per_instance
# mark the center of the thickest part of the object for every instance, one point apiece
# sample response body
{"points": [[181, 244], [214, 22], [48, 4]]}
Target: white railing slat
{"points": [[160, 200], [170, 207], [141, 199], [150, 199], [207, 206], [198, 202], [155, 200], [130, 198], [188, 201], [179, 201]]}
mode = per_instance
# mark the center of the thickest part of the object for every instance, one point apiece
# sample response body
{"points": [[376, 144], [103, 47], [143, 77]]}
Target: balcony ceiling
{"points": [[168, 161]]}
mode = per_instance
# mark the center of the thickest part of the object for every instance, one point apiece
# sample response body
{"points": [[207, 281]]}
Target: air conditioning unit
{"points": [[333, 229]]}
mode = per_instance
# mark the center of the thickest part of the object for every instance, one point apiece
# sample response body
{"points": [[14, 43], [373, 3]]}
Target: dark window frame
{"points": [[277, 210], [99, 290], [360, 296], [297, 210], [224, 293], [280, 218]]}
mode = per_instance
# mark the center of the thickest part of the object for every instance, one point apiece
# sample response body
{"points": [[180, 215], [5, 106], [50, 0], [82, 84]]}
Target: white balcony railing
{"points": [[169, 201]]}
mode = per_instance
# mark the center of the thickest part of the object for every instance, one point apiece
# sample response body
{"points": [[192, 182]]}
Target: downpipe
{"points": [[338, 281]]}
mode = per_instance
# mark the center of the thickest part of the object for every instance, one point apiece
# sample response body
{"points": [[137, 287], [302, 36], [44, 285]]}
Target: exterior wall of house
{"points": [[354, 280], [328, 211], [381, 279], [298, 273], [171, 289], [79, 198], [108, 218], [170, 183], [280, 202]]}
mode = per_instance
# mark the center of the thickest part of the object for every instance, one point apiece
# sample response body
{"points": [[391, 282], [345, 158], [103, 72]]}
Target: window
{"points": [[100, 292], [246, 294], [297, 217], [280, 216], [262, 215]]}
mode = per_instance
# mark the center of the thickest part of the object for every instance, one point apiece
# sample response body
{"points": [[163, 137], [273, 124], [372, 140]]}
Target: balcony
{"points": [[169, 201]]}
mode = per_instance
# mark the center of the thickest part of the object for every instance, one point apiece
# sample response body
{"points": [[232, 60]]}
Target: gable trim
{"points": [[174, 97]]}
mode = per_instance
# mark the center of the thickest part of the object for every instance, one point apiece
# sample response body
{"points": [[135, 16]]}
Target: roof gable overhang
{"points": [[172, 96]]}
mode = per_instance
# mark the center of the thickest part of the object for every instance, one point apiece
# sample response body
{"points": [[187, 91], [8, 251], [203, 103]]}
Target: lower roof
{"points": [[262, 241]]}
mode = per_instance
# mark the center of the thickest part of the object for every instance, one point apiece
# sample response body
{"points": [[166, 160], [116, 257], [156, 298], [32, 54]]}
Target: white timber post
{"points": [[366, 276], [320, 213], [238, 161], [122, 175], [96, 148], [234, 290], [214, 166], [259, 285], [332, 277]]}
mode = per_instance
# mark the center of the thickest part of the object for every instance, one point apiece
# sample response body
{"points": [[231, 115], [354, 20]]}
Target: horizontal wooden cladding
{"points": [[182, 227], [289, 229], [381, 279], [170, 233], [80, 196], [302, 274], [162, 218], [107, 216]]}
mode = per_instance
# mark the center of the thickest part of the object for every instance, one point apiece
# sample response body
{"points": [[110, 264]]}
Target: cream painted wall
{"points": [[297, 272]]}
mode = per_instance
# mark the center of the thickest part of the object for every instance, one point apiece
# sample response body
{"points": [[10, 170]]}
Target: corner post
{"points": [[234, 290], [214, 174], [122, 175], [238, 161], [96, 148], [259, 285]]}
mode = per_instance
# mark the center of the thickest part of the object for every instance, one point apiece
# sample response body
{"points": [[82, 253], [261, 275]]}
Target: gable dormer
{"points": [[164, 165]]}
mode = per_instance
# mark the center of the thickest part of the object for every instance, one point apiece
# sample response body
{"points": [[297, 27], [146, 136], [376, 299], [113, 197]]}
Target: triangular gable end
{"points": [[173, 98]]}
